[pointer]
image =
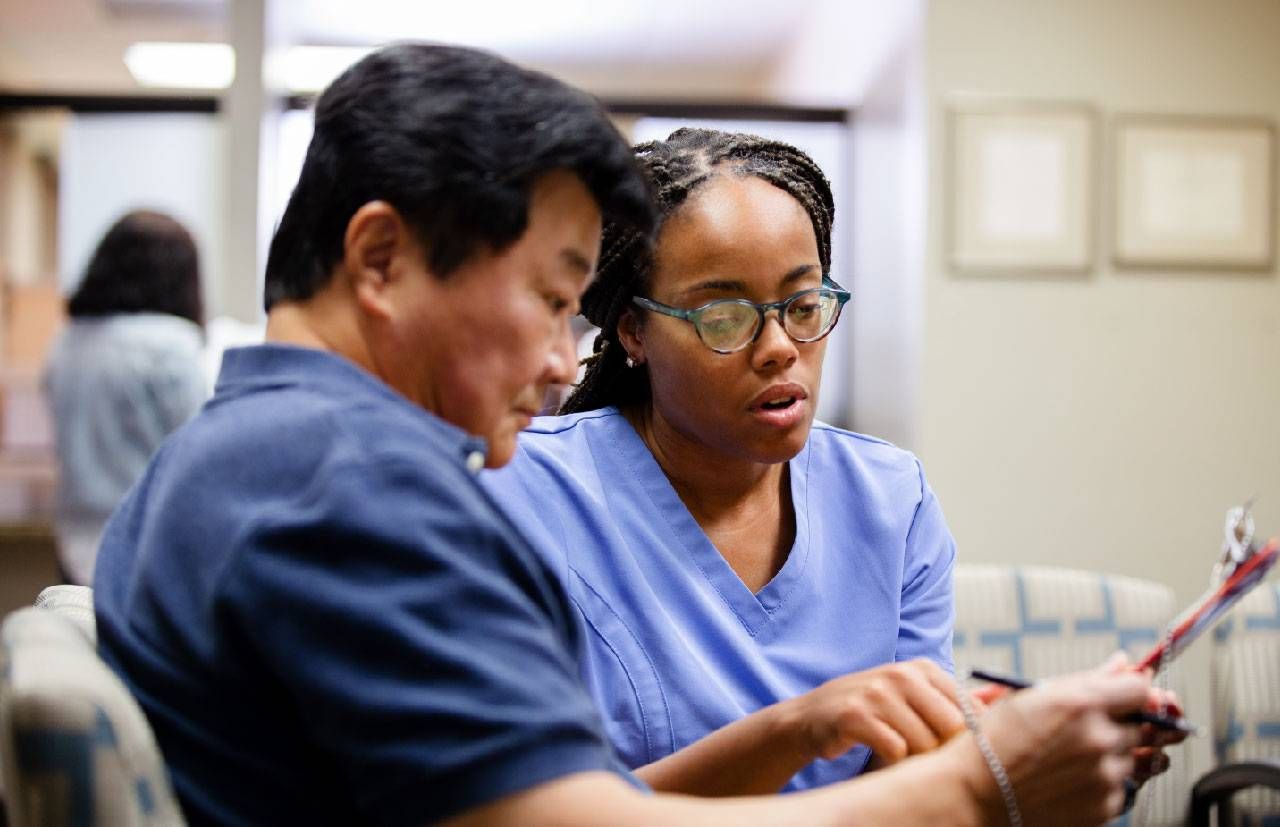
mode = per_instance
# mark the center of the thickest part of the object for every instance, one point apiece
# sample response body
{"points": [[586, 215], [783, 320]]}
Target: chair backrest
{"points": [[1245, 680], [1035, 622], [75, 748], [73, 602]]}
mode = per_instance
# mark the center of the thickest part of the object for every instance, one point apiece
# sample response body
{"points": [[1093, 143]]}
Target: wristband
{"points": [[993, 760]]}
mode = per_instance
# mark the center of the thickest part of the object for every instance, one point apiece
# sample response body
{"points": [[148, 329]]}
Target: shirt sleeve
{"points": [[424, 649], [928, 600]]}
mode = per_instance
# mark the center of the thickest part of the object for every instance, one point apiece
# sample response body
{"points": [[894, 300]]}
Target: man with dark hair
{"points": [[324, 616]]}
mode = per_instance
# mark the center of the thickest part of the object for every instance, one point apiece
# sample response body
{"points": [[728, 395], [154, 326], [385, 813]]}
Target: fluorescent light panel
{"points": [[213, 65], [182, 65]]}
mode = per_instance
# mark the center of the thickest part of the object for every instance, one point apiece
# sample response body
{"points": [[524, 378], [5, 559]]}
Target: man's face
{"points": [[480, 347]]}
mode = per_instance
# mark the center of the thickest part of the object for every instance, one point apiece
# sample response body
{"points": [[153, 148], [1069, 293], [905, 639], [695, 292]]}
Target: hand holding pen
{"points": [[1160, 721], [1064, 747]]}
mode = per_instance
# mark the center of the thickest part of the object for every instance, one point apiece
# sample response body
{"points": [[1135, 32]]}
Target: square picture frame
{"points": [[1022, 187], [1194, 192]]}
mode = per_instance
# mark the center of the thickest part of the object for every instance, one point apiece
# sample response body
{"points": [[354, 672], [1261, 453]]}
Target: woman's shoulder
{"points": [[860, 452], [561, 435], [557, 453]]}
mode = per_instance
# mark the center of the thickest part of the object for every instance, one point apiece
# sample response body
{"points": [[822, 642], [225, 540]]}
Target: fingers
{"points": [[921, 716], [897, 710], [1121, 692], [990, 693], [1163, 700], [937, 702], [884, 741], [977, 704], [1147, 763], [1117, 662]]}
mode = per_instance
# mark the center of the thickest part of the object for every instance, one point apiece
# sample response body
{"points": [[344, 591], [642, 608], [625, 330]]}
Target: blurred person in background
{"points": [[124, 374]]}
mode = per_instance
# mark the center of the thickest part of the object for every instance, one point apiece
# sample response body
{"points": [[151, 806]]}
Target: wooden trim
{"points": [[84, 103]]}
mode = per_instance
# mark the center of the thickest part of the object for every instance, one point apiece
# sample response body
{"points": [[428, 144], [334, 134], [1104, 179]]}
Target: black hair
{"points": [[675, 168], [146, 263], [454, 139]]}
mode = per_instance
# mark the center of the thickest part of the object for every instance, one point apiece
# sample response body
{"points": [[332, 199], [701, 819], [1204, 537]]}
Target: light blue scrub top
{"points": [[676, 645]]}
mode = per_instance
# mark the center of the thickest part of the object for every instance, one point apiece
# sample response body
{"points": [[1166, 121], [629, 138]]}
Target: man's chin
{"points": [[496, 459], [502, 447]]}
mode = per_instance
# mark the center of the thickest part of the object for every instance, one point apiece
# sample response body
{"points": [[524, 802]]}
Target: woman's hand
{"points": [[898, 710]]}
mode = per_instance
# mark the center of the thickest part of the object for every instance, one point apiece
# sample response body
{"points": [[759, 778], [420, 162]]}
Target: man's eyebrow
{"points": [[576, 260]]}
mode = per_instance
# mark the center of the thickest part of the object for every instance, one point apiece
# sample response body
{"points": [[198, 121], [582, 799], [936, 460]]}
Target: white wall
{"points": [[111, 164], [1104, 421], [888, 240]]}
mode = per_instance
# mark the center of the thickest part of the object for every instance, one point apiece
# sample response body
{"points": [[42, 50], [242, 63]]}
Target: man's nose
{"points": [[562, 359]]}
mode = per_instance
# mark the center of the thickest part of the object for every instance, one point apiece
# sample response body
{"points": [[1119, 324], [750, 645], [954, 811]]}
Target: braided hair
{"points": [[675, 168]]}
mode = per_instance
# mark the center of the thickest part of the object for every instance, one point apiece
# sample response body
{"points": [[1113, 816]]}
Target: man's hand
{"points": [[1065, 747]]}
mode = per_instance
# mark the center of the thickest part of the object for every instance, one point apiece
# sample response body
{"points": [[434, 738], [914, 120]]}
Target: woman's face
{"points": [[736, 237]]}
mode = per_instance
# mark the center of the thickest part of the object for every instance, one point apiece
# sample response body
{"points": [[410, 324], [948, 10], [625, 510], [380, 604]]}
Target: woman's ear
{"points": [[630, 335]]}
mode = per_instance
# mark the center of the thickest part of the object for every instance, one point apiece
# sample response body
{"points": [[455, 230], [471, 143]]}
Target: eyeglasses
{"points": [[729, 325]]}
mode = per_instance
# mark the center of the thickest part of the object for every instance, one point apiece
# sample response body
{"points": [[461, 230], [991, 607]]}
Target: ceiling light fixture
{"points": [[182, 65], [295, 70]]}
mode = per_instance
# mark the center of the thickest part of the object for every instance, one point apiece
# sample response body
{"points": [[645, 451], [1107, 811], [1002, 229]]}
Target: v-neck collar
{"points": [[755, 610]]}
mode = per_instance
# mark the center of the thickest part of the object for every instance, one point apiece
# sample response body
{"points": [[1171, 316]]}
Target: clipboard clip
{"points": [[1241, 566], [1237, 542]]}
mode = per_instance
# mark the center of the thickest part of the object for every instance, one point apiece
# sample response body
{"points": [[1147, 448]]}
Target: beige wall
{"points": [[1104, 421]]}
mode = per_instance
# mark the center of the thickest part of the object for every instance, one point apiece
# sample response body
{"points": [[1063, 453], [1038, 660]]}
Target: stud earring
{"points": [[631, 362]]}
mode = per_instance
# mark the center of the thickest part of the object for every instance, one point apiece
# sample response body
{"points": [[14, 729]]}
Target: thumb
{"points": [[1117, 662], [1122, 692]]}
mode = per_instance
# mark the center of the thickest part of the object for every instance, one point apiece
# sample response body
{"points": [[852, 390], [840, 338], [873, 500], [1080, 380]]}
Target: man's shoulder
{"points": [[289, 454], [355, 418]]}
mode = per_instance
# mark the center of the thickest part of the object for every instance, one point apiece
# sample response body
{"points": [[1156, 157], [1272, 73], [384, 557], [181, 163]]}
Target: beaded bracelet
{"points": [[993, 760]]}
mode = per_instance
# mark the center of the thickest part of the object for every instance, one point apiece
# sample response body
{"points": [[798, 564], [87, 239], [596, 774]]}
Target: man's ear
{"points": [[629, 334], [374, 251]]}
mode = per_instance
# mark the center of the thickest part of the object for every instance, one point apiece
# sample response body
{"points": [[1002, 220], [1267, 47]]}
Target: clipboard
{"points": [[1242, 568], [1205, 612]]}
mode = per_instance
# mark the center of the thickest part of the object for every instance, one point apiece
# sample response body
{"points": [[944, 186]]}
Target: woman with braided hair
{"points": [[768, 598]]}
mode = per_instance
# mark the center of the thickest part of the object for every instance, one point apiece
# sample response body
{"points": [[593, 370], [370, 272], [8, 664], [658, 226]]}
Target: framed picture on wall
{"points": [[1022, 187], [1195, 192]]}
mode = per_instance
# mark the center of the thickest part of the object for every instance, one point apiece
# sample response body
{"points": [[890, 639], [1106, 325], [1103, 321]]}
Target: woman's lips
{"points": [[785, 417], [780, 406]]}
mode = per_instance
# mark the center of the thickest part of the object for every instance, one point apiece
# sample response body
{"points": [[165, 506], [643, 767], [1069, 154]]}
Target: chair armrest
{"points": [[1218, 785]]}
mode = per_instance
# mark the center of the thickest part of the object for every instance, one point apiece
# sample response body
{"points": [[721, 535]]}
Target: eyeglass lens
{"points": [[730, 325]]}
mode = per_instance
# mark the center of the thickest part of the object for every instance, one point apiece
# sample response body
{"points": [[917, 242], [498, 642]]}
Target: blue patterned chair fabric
{"points": [[1246, 697], [1035, 622], [75, 748]]}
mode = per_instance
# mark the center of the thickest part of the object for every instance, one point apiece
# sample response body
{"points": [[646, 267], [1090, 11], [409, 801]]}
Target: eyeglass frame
{"points": [[692, 315]]}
